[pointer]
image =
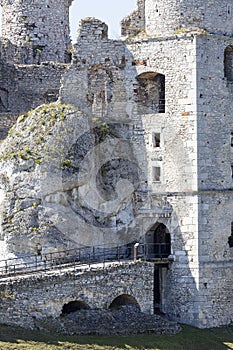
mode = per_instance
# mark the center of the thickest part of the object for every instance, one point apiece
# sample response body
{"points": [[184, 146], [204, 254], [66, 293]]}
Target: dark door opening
{"points": [[157, 295]]}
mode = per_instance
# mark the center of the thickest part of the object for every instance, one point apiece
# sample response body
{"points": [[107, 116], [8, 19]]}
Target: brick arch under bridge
{"points": [[42, 296]]}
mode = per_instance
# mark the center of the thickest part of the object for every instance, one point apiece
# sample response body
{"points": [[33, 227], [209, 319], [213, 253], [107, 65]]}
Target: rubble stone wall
{"points": [[41, 296], [25, 87], [42, 25]]}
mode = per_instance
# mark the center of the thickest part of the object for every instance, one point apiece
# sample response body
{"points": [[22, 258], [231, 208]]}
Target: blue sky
{"points": [[109, 11]]}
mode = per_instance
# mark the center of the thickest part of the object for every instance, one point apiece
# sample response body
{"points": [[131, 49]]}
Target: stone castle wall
{"points": [[38, 84], [43, 26], [167, 18], [135, 22], [214, 108], [174, 90], [28, 86]]}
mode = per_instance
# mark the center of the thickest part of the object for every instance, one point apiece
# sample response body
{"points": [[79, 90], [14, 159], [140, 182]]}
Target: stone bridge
{"points": [[25, 299]]}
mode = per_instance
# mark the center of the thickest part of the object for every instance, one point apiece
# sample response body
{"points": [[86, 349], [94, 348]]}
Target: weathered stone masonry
{"points": [[28, 24], [168, 86], [41, 296]]}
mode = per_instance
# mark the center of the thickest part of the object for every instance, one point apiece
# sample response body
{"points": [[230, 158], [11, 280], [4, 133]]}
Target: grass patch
{"points": [[189, 339]]}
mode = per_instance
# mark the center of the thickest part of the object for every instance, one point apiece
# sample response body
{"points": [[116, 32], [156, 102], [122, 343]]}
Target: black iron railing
{"points": [[84, 256]]}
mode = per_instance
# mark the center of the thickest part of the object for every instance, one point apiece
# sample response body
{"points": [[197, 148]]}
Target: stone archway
{"points": [[158, 242], [74, 306], [124, 300], [158, 249]]}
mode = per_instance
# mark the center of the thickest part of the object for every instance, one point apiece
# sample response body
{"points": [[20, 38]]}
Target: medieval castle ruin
{"points": [[120, 145]]}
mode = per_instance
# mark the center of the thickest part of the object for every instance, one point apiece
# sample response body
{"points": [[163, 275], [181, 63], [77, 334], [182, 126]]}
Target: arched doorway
{"points": [[158, 242], [158, 248]]}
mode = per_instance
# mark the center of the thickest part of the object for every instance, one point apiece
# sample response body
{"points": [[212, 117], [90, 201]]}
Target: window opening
{"points": [[230, 239], [150, 94], [156, 173], [228, 63], [156, 140], [100, 85]]}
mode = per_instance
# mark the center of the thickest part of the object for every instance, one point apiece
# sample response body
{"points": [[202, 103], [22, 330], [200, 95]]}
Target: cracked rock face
{"points": [[67, 180]]}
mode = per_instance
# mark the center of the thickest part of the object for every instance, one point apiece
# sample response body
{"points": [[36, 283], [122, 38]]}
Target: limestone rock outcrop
{"points": [[67, 180]]}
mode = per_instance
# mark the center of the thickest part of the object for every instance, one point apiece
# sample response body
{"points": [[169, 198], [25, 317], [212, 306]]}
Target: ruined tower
{"points": [[189, 146], [41, 25], [165, 17], [167, 86]]}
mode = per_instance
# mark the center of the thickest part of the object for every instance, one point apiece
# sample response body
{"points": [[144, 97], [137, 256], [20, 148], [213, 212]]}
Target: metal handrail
{"points": [[82, 256]]}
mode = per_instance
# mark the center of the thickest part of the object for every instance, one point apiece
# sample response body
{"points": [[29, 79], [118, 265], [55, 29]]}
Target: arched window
{"points": [[151, 93], [100, 85], [228, 63]]}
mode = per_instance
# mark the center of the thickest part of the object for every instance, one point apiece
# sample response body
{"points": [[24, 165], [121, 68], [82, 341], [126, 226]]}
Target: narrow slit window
{"points": [[230, 238], [228, 63], [156, 140], [156, 174], [232, 171], [232, 139]]}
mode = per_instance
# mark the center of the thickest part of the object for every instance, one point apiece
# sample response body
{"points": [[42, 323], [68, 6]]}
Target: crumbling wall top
{"points": [[165, 18], [41, 25], [92, 29]]}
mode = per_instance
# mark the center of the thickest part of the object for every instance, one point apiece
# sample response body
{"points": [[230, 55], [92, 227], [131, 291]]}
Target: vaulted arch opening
{"points": [[150, 93], [100, 86], [124, 300], [158, 242], [74, 306]]}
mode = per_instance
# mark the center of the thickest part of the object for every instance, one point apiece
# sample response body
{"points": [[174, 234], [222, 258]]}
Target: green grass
{"points": [[189, 339]]}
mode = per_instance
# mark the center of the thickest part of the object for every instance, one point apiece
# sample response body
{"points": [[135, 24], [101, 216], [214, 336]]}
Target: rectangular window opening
{"points": [[156, 173], [156, 140], [232, 171]]}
